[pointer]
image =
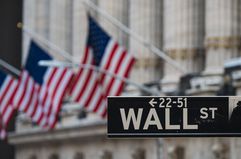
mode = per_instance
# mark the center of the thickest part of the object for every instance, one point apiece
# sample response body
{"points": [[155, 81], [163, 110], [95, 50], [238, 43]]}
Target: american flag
{"points": [[41, 89], [8, 86], [91, 88]]}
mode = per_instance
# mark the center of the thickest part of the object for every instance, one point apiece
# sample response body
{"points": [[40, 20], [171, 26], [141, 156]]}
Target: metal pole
{"points": [[135, 36], [10, 67], [46, 42], [97, 69], [66, 55]]}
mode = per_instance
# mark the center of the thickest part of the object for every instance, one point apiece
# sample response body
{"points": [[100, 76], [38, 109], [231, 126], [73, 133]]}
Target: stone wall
{"points": [[183, 39], [146, 21], [199, 35], [89, 140], [222, 26]]}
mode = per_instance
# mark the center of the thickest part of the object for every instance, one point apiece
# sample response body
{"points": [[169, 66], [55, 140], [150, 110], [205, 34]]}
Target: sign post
{"points": [[174, 116]]}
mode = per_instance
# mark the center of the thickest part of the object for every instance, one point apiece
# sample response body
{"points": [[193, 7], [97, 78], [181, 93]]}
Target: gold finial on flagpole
{"points": [[20, 25]]}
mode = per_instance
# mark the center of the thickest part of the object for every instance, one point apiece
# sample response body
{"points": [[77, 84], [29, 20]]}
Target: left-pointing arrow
{"points": [[152, 102]]}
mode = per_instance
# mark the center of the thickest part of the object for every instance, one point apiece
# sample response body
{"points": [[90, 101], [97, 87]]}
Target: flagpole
{"points": [[68, 64], [135, 36], [10, 67], [46, 42], [54, 63], [66, 55]]}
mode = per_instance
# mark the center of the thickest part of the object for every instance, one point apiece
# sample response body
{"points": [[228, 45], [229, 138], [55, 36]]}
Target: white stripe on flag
{"points": [[123, 68], [102, 107], [37, 115], [20, 90], [90, 87], [112, 67], [4, 86], [33, 103], [81, 80], [53, 84], [64, 82], [27, 95], [5, 101], [107, 52], [6, 116], [48, 74], [95, 98], [55, 80]]}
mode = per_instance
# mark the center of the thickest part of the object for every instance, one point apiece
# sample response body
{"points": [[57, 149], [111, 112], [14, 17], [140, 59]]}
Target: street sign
{"points": [[174, 116]]}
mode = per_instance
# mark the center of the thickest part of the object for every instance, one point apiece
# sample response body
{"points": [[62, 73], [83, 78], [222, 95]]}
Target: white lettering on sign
{"points": [[153, 119], [131, 116], [204, 112], [152, 115], [185, 121], [168, 122]]}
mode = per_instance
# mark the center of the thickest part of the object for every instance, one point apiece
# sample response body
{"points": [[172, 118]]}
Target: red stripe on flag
{"points": [[77, 77], [6, 90], [92, 93], [10, 104], [108, 62], [51, 77], [104, 114], [61, 97], [30, 99], [125, 75], [35, 108], [9, 116], [24, 91], [116, 70], [101, 98], [90, 73]]}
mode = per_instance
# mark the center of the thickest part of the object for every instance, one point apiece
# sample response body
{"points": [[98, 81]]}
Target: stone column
{"points": [[210, 148], [222, 33], [80, 25], [60, 29], [146, 21], [29, 22], [42, 18], [35, 18], [118, 9], [183, 39], [235, 148], [222, 42]]}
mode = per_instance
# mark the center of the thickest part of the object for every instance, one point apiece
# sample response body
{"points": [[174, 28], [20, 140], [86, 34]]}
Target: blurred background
{"points": [[202, 36]]}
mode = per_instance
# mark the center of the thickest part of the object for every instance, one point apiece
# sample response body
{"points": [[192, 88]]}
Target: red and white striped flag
{"points": [[8, 87], [41, 89], [91, 88], [86, 89]]}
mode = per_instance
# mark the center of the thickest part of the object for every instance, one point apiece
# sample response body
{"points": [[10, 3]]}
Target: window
{"points": [[139, 154], [107, 155], [220, 151], [180, 152], [79, 156], [33, 157], [176, 152], [54, 156]]}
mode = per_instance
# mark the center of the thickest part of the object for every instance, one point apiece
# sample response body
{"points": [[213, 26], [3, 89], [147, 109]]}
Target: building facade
{"points": [[200, 35]]}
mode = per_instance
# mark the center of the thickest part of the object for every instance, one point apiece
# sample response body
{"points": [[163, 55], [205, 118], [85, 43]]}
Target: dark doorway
{"points": [[10, 50]]}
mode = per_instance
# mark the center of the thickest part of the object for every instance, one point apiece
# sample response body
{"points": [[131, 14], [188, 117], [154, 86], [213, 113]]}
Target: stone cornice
{"points": [[227, 42], [84, 130], [147, 63], [185, 53], [201, 91]]}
